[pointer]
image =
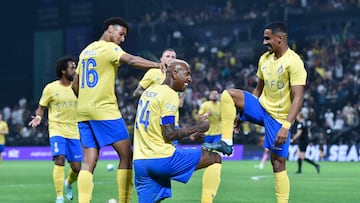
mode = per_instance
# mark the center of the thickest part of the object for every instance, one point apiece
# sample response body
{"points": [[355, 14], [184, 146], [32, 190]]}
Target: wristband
{"points": [[286, 124], [38, 117]]}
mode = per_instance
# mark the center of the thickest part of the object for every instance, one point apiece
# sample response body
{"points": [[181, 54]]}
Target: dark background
{"points": [[36, 33]]}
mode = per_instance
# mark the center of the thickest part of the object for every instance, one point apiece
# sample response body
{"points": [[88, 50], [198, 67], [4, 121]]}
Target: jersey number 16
{"points": [[89, 74]]}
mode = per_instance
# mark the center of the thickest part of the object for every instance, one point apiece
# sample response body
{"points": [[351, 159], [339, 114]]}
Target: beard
{"points": [[69, 77]]}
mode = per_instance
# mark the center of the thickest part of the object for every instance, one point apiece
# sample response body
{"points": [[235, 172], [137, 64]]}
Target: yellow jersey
{"points": [[152, 76], [279, 75], [213, 110], [97, 69], [157, 105], [61, 103], [3, 126]]}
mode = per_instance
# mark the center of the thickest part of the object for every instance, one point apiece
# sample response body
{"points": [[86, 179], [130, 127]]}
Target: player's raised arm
{"points": [[140, 62]]}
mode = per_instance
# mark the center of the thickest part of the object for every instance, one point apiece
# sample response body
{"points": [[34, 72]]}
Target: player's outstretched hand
{"points": [[35, 121]]}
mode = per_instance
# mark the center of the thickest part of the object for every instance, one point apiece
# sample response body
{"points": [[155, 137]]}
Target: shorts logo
{"points": [[56, 147]]}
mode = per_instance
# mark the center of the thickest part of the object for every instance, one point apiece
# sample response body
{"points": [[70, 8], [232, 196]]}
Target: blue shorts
{"points": [[96, 134], [70, 148], [212, 138], [255, 113], [2, 148], [153, 176]]}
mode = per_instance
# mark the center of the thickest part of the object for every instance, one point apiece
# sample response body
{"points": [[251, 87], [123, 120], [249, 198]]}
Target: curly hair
{"points": [[116, 21], [62, 64]]}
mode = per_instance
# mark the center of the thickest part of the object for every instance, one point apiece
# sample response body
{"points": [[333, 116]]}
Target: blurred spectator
{"points": [[329, 118]]}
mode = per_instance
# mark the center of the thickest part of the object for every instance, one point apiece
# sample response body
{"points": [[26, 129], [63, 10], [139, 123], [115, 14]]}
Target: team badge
{"points": [[280, 70]]}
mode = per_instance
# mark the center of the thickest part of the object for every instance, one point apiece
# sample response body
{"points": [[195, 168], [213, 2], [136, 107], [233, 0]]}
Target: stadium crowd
{"points": [[220, 11], [332, 102]]}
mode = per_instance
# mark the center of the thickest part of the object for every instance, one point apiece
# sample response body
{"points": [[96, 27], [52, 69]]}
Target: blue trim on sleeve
{"points": [[168, 120]]}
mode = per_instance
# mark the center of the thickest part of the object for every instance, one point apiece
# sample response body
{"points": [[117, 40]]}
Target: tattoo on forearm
{"points": [[170, 133]]}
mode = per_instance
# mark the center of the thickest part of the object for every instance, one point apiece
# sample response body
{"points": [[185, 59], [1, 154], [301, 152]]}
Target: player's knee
{"points": [[89, 166], [213, 157], [218, 158], [126, 156], [76, 167], [278, 165], [59, 160]]}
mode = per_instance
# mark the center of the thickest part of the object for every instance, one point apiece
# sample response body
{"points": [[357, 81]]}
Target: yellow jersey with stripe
{"points": [[279, 75], [97, 69], [213, 110], [158, 105], [61, 103], [3, 126], [152, 76]]}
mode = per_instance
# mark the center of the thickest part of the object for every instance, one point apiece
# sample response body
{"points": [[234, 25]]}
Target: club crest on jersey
{"points": [[280, 70], [170, 107]]}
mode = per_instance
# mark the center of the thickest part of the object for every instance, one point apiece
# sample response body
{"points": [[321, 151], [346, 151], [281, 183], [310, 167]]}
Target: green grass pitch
{"points": [[338, 182]]}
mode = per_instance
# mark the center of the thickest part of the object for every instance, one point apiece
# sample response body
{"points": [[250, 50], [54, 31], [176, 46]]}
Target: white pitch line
{"points": [[256, 178]]}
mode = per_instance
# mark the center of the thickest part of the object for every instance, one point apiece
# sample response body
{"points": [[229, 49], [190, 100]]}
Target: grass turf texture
{"points": [[338, 182]]}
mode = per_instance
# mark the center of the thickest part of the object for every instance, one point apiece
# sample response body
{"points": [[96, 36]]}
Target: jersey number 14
{"points": [[142, 114]]}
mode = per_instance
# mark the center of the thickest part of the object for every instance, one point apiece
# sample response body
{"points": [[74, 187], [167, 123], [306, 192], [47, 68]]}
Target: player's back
{"points": [[157, 105], [97, 69]]}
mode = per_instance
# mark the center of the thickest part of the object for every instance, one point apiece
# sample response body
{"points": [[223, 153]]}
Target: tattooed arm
{"points": [[170, 133]]}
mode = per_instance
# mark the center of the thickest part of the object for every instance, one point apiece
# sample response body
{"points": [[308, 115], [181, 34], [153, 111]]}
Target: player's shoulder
{"points": [[93, 47], [110, 46], [154, 71], [206, 103], [265, 56], [167, 91], [53, 84], [159, 91], [51, 87], [164, 89], [293, 55]]}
